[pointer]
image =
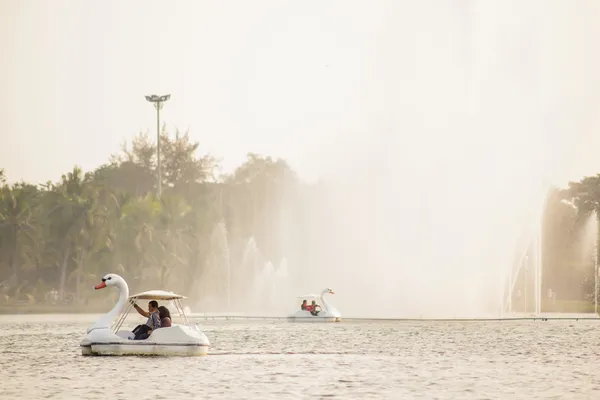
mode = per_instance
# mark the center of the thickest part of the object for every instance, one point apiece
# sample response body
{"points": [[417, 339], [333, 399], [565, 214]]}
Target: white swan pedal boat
{"points": [[177, 340], [328, 313]]}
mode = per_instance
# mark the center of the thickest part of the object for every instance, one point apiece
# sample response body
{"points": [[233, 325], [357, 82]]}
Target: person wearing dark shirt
{"points": [[315, 308], [144, 331]]}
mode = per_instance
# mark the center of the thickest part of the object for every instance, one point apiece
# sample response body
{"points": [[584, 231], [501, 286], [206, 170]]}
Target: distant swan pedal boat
{"points": [[177, 340], [328, 313]]}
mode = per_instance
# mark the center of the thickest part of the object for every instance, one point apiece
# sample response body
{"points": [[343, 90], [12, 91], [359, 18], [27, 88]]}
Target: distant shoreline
{"points": [[567, 307]]}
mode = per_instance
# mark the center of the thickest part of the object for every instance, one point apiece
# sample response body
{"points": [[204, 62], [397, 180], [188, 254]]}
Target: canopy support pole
{"points": [[179, 308], [124, 315]]}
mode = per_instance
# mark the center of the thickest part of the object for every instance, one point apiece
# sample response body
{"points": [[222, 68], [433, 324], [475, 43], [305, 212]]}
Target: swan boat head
{"points": [[107, 281], [113, 280]]}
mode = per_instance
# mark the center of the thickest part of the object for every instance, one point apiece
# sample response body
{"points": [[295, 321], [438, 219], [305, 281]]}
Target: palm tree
{"points": [[18, 233], [72, 208]]}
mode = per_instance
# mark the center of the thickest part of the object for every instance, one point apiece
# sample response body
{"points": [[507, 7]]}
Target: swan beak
{"points": [[100, 286], [332, 292]]}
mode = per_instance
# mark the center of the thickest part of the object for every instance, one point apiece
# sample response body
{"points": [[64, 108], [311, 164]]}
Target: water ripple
{"points": [[278, 360]]}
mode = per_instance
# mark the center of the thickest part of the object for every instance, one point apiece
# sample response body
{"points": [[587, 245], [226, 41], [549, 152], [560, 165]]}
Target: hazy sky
{"points": [[283, 78]]}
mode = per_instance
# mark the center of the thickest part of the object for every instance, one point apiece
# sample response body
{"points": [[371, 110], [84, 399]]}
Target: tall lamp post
{"points": [[158, 104]]}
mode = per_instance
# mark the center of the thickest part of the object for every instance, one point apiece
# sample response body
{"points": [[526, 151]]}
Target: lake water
{"points": [[40, 358]]}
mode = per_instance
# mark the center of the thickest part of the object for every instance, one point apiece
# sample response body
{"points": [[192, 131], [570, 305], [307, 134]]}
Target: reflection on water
{"points": [[40, 358]]}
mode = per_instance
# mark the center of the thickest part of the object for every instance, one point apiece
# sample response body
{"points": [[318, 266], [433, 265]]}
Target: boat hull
{"points": [[142, 349], [305, 316], [314, 319], [178, 340]]}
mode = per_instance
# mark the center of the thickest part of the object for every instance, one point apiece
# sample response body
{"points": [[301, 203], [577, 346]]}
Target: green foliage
{"points": [[63, 236], [66, 235], [568, 254]]}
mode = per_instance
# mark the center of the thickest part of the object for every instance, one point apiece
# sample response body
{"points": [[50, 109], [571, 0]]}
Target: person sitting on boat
{"points": [[165, 317], [143, 331], [315, 309], [303, 305]]}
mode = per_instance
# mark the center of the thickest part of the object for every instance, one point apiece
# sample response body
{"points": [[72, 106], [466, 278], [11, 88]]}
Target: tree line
{"points": [[57, 239]]}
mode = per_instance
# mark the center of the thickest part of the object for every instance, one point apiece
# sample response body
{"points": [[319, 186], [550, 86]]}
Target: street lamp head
{"points": [[158, 99]]}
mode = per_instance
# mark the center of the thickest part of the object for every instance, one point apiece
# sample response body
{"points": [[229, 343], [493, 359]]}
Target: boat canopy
{"points": [[157, 295], [310, 296]]}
